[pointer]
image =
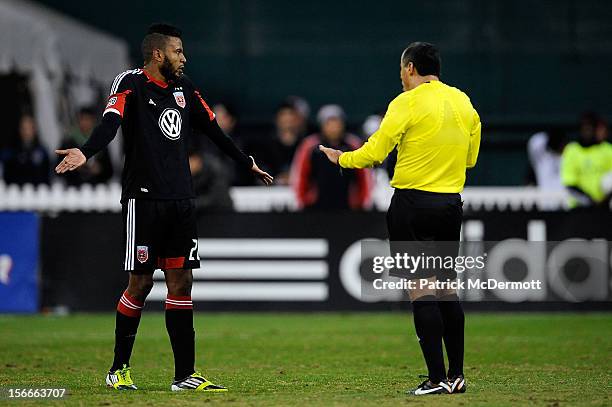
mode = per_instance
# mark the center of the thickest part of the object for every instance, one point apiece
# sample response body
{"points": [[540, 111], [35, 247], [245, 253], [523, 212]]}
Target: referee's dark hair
{"points": [[156, 38], [424, 56]]}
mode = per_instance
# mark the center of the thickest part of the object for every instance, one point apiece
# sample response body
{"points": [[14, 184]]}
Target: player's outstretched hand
{"points": [[262, 175], [73, 159], [332, 155]]}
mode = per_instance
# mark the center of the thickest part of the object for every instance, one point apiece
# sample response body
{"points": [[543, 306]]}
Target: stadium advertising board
{"points": [[18, 262], [313, 261]]}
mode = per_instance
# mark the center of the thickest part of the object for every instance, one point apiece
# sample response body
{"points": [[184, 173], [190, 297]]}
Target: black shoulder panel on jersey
{"points": [[185, 80]]}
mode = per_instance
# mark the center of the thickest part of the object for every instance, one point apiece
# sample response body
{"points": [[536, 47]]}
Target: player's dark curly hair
{"points": [[424, 56], [156, 38]]}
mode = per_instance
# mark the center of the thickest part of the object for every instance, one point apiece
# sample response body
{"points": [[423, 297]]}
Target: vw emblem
{"points": [[170, 123]]}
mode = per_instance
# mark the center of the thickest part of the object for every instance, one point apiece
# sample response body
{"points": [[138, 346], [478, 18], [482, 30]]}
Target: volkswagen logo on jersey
{"points": [[170, 123]]}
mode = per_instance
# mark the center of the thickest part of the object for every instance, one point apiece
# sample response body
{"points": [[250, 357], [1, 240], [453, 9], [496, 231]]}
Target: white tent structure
{"points": [[48, 47]]}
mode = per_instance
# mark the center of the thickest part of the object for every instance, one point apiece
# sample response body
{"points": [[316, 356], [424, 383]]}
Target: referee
{"points": [[437, 134]]}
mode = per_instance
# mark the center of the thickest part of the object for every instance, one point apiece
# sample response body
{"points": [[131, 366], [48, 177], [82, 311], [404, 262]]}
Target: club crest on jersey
{"points": [[180, 99], [170, 123], [142, 253], [111, 101]]}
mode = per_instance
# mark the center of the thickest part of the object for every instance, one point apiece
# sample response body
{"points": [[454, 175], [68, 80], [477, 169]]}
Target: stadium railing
{"points": [[105, 198]]}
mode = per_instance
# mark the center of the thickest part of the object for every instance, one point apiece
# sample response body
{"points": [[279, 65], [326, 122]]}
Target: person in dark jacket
{"points": [[317, 183], [97, 170], [27, 162], [210, 183]]}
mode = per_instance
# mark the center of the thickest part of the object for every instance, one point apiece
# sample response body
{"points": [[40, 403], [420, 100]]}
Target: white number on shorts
{"points": [[194, 249]]}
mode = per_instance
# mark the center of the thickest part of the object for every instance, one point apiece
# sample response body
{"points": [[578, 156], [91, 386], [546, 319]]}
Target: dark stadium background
{"points": [[526, 64]]}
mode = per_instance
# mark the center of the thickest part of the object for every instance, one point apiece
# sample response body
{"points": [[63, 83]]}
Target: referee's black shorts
{"points": [[159, 234], [425, 223]]}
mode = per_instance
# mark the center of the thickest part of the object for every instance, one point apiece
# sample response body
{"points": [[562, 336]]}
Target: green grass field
{"points": [[315, 359]]}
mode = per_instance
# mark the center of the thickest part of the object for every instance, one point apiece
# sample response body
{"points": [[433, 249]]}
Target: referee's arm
{"points": [[381, 143], [474, 147]]}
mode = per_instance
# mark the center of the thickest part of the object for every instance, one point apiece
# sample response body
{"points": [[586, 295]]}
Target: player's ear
{"points": [[158, 55]]}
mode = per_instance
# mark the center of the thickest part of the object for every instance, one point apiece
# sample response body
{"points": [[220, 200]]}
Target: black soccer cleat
{"points": [[458, 384], [428, 387]]}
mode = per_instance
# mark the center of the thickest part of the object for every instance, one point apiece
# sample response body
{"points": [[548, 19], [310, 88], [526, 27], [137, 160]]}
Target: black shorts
{"points": [[425, 223], [160, 234]]}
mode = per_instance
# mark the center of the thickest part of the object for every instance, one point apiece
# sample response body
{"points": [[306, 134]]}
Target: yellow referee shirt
{"points": [[437, 133]]}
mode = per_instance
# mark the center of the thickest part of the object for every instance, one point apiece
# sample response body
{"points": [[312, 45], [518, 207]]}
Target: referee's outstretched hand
{"points": [[332, 155], [73, 159], [262, 175]]}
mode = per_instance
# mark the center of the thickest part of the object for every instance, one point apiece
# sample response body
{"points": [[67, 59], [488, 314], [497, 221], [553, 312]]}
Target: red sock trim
{"points": [[178, 302], [129, 306]]}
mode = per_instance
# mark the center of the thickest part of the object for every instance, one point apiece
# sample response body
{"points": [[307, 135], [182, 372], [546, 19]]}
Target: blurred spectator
{"points": [[586, 164], [320, 185], [371, 125], [99, 168], [601, 130], [226, 117], [276, 153], [544, 150], [228, 121], [302, 109], [27, 161], [210, 183]]}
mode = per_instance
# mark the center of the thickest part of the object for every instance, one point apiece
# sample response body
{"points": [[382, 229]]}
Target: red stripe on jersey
{"points": [[159, 83], [116, 103], [170, 262], [211, 114]]}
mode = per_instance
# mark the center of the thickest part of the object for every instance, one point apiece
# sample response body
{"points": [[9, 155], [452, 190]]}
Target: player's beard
{"points": [[168, 71]]}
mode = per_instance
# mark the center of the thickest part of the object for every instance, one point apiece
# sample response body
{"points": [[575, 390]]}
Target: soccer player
{"points": [[156, 107], [437, 134]]}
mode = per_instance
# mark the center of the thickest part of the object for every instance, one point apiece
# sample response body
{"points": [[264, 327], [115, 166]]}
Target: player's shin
{"points": [[126, 326], [179, 323]]}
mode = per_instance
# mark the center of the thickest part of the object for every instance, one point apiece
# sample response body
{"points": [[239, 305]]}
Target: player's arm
{"points": [[204, 120], [380, 144], [474, 146], [103, 133]]}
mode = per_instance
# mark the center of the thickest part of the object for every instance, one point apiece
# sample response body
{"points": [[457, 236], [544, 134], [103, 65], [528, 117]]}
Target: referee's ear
{"points": [[410, 67]]}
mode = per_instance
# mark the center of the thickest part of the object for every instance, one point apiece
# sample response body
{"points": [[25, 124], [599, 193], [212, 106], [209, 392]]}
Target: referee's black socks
{"points": [[179, 323], [429, 328], [454, 323], [126, 326]]}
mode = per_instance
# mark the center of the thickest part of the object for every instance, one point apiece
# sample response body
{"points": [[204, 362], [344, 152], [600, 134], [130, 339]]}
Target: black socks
{"points": [[429, 329], [126, 326], [179, 323], [454, 323]]}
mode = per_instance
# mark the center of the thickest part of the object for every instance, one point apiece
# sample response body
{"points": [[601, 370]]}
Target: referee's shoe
{"points": [[457, 384], [428, 387]]}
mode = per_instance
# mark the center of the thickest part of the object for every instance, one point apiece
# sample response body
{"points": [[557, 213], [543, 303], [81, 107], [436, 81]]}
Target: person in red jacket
{"points": [[317, 183]]}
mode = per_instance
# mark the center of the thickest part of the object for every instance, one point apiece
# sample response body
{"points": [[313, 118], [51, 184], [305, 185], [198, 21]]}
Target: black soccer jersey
{"points": [[156, 120]]}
